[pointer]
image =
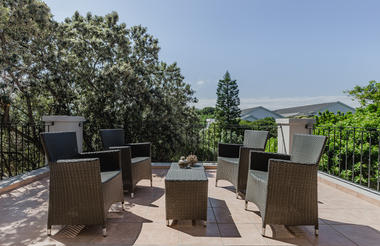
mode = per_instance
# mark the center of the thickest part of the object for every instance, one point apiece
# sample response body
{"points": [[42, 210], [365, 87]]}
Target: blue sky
{"points": [[281, 52]]}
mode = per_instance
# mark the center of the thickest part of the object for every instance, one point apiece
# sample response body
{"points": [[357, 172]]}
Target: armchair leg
{"points": [[216, 183], [246, 205], [151, 183], [48, 230], [122, 206], [104, 231], [316, 228], [263, 231]]}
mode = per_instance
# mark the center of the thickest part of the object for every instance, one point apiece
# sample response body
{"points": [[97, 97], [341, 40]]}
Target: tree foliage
{"points": [[353, 138], [92, 66], [205, 113], [368, 96], [265, 124], [227, 110]]}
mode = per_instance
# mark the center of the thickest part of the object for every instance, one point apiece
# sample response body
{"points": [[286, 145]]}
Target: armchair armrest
{"points": [[126, 155], [244, 167], [259, 159], [140, 149], [293, 187], [70, 179], [110, 160], [229, 150], [76, 160]]}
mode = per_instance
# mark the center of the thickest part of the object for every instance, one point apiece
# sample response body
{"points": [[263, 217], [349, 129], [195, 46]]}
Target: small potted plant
{"points": [[183, 163], [192, 159]]}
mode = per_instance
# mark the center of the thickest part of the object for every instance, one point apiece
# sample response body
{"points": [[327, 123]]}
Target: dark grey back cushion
{"points": [[307, 148], [60, 145], [112, 137]]}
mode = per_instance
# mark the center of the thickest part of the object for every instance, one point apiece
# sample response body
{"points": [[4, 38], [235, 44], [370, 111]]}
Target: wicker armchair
{"points": [[284, 187], [83, 186], [233, 159], [135, 158]]}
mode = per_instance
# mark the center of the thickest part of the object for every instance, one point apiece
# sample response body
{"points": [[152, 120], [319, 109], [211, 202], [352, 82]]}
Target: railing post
{"points": [[286, 128]]}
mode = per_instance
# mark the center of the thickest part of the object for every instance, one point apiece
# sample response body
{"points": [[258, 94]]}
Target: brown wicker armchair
{"points": [[284, 187], [135, 158], [83, 186], [233, 159]]}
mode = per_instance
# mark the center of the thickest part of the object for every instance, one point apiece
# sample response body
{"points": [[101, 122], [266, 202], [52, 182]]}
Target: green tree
{"points": [[227, 110], [368, 96], [92, 66], [207, 110], [25, 27], [205, 113]]}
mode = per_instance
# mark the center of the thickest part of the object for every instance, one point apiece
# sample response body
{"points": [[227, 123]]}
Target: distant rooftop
{"points": [[259, 112], [313, 109]]}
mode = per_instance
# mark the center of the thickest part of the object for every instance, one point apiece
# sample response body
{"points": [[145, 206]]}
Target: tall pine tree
{"points": [[227, 110]]}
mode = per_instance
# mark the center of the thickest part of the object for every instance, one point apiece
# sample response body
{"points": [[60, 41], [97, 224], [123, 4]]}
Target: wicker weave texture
{"points": [[135, 157], [112, 192], [75, 193], [227, 171], [291, 194], [186, 194], [285, 191], [237, 173], [141, 170]]}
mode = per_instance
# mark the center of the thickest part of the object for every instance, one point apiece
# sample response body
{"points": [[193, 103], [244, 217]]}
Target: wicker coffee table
{"points": [[186, 193]]}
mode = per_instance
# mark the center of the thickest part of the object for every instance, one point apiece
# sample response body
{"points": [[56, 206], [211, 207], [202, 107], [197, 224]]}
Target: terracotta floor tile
{"points": [[157, 234], [200, 235], [117, 233], [344, 220], [240, 234], [360, 234], [281, 235], [210, 216], [240, 215], [223, 215], [328, 236]]}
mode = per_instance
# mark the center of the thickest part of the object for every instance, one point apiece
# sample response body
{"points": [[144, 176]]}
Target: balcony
{"points": [[345, 219]]}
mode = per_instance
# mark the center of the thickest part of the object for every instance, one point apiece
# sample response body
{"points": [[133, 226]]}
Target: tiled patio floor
{"points": [[344, 220]]}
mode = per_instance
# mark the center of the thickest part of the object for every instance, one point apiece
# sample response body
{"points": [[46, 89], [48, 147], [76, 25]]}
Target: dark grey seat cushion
{"points": [[107, 176], [260, 176], [137, 160], [229, 160]]}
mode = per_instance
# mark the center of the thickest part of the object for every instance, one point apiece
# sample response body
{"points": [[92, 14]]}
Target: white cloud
{"points": [[200, 82], [280, 102]]}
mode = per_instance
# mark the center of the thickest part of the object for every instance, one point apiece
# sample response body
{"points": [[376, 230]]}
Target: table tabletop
{"points": [[195, 173]]}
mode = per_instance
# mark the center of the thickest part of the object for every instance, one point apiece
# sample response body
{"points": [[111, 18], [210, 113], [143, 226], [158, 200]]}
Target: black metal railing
{"points": [[20, 149], [352, 153], [202, 140]]}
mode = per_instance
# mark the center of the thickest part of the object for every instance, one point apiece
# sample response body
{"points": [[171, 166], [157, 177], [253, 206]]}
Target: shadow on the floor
{"points": [[229, 188], [198, 229], [145, 196], [160, 173], [18, 213], [210, 173], [119, 230]]}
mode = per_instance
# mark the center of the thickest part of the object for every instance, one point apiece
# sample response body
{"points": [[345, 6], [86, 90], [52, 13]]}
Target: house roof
{"points": [[309, 109], [247, 111]]}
